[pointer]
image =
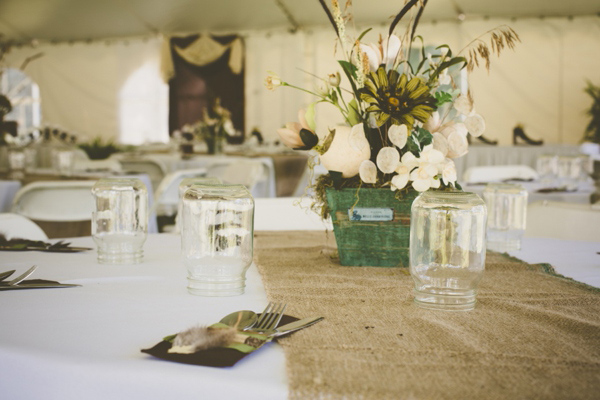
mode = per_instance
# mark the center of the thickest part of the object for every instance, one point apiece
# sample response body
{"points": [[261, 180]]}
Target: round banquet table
{"points": [[84, 342]]}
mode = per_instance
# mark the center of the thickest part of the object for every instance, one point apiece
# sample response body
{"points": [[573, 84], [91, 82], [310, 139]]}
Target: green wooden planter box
{"points": [[372, 229]]}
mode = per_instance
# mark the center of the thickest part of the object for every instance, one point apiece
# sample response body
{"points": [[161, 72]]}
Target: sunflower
{"points": [[392, 97]]}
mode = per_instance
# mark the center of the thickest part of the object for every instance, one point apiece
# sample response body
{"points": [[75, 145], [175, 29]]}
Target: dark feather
{"points": [[328, 12], [401, 14]]}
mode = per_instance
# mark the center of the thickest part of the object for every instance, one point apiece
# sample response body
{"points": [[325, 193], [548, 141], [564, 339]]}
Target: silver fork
{"points": [[20, 278], [270, 317]]}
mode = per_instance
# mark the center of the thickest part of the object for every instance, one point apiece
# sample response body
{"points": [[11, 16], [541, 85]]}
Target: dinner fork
{"points": [[270, 317], [20, 278]]}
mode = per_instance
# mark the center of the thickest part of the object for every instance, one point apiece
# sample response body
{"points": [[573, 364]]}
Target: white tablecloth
{"points": [[580, 196], [84, 342], [509, 155]]}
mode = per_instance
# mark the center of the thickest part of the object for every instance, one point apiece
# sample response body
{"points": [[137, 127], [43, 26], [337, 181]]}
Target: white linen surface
{"points": [[84, 342]]}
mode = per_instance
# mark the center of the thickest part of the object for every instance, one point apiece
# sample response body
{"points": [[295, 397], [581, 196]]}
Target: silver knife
{"points": [[295, 326]]}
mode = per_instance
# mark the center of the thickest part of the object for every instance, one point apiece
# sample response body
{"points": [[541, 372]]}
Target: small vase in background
{"points": [[447, 249]]}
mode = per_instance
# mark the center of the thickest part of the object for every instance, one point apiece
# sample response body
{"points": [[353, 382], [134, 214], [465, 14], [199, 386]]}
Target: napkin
{"points": [[36, 284], [16, 244], [214, 357]]}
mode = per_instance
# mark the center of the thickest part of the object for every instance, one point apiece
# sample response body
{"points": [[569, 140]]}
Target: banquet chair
{"points": [[251, 173], [559, 220], [20, 227], [287, 213], [498, 173], [166, 197], [155, 169], [61, 208]]}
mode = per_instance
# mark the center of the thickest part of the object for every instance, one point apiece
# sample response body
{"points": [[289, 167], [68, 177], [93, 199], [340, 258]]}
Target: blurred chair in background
{"points": [[61, 208], [155, 169], [252, 173], [14, 226]]}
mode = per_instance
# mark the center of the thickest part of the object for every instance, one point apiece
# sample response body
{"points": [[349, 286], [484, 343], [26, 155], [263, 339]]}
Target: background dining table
{"points": [[84, 342]]}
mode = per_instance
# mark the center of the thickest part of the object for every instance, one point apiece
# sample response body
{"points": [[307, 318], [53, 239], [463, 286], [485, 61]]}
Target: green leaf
{"points": [[363, 34], [445, 46], [310, 116], [169, 338], [442, 98], [334, 97], [349, 68], [448, 64], [412, 145], [424, 137], [353, 114]]}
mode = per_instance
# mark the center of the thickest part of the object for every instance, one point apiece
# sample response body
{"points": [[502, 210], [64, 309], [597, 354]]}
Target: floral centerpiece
{"points": [[213, 128], [406, 120]]}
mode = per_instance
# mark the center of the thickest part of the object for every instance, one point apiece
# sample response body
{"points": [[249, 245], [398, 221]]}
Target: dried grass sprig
{"points": [[478, 50]]}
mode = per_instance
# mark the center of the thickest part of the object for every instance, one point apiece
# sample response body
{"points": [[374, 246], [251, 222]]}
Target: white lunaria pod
{"points": [[388, 160], [368, 171], [463, 105], [475, 125], [345, 155], [398, 135], [440, 143]]}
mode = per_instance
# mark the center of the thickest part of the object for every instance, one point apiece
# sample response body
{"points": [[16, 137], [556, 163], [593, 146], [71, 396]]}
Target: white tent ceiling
{"points": [[66, 20]]}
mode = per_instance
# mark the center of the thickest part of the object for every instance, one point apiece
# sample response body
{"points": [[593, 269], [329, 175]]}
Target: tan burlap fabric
{"points": [[532, 335]]}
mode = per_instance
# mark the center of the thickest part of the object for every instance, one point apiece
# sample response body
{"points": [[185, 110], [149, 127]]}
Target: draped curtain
{"points": [[199, 69]]}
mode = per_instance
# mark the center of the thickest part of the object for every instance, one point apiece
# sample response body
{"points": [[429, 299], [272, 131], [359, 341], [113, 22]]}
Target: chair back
{"points": [[559, 220], [155, 169], [55, 201], [287, 213], [498, 173], [166, 197], [17, 226], [251, 173]]}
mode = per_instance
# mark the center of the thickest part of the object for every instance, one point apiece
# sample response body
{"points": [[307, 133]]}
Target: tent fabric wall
{"points": [[539, 85], [108, 89]]}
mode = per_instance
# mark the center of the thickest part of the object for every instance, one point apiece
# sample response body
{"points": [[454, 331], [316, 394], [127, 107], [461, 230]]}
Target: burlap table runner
{"points": [[532, 335]]}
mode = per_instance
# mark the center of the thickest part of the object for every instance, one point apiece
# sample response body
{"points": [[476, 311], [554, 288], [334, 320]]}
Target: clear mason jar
{"points": [[120, 222], [447, 249], [507, 215], [187, 183], [217, 238]]}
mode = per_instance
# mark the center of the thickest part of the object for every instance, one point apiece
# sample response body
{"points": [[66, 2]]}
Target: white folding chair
{"points": [[166, 197], [250, 173], [287, 213], [20, 227], [155, 169], [498, 173], [559, 220], [55, 201]]}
